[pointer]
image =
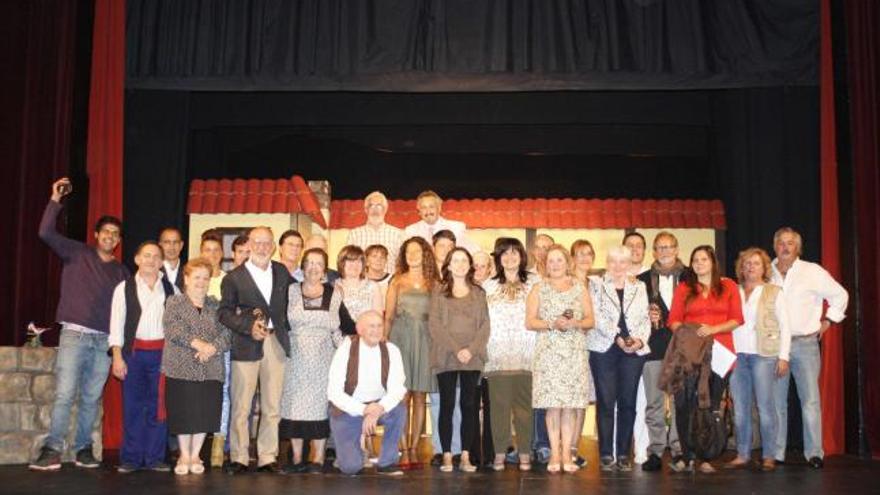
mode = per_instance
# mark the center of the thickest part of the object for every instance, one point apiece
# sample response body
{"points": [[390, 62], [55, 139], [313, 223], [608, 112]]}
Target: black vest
{"points": [[133, 310]]}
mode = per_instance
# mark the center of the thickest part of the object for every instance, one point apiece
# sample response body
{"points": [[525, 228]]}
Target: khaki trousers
{"points": [[269, 372]]}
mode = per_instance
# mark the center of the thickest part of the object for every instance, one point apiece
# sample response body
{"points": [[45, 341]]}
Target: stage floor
{"points": [[841, 476]]}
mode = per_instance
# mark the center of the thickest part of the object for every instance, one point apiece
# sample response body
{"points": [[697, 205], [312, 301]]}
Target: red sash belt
{"points": [[154, 345]]}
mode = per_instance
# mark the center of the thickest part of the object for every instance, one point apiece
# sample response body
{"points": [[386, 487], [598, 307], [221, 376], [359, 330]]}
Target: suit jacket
{"points": [[240, 296], [660, 337], [178, 282]]}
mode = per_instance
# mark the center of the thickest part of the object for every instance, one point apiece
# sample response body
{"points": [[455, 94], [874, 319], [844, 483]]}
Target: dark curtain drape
{"points": [[39, 54], [470, 45], [863, 64]]}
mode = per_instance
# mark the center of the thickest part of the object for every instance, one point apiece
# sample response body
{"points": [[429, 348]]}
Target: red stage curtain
{"points": [[863, 61], [104, 153], [831, 377]]}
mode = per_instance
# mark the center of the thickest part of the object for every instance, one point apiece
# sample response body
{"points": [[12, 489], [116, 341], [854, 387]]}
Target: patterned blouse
{"points": [[184, 322], [511, 345]]}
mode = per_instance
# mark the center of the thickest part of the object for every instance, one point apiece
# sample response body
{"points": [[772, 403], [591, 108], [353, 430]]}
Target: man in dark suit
{"points": [[171, 242], [660, 282], [254, 306]]}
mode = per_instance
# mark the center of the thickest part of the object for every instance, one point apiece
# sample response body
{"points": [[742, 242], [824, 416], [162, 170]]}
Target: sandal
{"points": [[525, 466], [446, 467], [553, 467], [182, 467], [197, 467], [570, 468]]}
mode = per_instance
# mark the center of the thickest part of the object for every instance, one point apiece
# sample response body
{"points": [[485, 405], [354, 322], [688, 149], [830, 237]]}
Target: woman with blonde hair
{"points": [[762, 345], [560, 310]]}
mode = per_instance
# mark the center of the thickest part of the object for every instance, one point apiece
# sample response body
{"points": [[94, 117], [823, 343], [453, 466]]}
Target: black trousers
{"points": [[467, 381]]}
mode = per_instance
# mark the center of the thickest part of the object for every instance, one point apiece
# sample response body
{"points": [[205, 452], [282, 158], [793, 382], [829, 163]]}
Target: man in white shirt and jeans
{"points": [[805, 286], [365, 389]]}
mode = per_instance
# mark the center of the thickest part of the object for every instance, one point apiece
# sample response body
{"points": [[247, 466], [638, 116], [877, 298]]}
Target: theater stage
{"points": [[841, 476]]}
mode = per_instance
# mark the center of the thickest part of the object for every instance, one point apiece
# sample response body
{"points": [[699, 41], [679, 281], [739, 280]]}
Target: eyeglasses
{"points": [[665, 248]]}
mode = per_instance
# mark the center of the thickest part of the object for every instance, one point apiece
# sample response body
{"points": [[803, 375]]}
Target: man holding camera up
{"points": [[88, 278]]}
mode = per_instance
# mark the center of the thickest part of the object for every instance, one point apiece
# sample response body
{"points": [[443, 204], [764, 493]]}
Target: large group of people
{"points": [[528, 337]]}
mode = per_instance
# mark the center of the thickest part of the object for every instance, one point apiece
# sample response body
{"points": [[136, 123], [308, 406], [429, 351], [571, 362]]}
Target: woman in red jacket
{"points": [[711, 301]]}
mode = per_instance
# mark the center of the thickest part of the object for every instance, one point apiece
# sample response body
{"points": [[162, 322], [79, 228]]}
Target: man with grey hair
{"points": [[376, 231], [805, 286], [254, 307], [429, 205]]}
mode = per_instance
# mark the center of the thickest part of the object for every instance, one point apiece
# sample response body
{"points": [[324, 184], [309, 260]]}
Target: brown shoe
{"points": [[768, 465]]}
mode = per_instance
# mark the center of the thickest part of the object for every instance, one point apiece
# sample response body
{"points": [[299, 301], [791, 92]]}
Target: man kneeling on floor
{"points": [[365, 390]]}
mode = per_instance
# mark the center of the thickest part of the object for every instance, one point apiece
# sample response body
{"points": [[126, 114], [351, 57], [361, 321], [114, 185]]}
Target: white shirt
{"points": [[666, 286], [426, 231], [745, 339], [263, 279], [387, 235], [805, 286], [152, 303], [172, 272], [369, 387]]}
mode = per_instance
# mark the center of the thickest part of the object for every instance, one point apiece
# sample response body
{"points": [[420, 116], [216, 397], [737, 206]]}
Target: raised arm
{"points": [[48, 232]]}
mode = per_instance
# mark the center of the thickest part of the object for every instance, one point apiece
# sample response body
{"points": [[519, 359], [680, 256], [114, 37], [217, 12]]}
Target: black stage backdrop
{"points": [[756, 149], [470, 45]]}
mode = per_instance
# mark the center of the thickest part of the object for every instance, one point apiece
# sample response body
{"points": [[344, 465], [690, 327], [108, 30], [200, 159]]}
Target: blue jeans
{"points": [[616, 375], [435, 423], [82, 364], [347, 431], [754, 380], [804, 365], [541, 437]]}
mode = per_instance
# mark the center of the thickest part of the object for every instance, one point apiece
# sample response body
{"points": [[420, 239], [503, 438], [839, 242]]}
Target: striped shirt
{"points": [[386, 235]]}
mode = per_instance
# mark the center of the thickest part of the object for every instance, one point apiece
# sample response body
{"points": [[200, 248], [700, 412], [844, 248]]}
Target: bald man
{"points": [[365, 389]]}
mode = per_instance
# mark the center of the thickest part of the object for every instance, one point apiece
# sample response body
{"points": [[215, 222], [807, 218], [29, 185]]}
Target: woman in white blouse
{"points": [[618, 347], [510, 348], [762, 345]]}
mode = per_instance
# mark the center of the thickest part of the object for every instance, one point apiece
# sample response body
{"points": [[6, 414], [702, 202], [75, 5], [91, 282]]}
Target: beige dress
{"points": [[560, 368]]}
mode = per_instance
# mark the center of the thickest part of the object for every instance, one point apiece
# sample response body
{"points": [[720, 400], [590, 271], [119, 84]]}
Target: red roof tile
{"points": [[565, 213], [254, 196]]}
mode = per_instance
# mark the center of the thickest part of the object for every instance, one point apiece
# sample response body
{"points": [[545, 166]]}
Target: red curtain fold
{"points": [[104, 154], [831, 376], [863, 57]]}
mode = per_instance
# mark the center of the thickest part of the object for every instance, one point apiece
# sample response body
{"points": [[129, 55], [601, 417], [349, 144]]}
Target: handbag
{"points": [[710, 429]]}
